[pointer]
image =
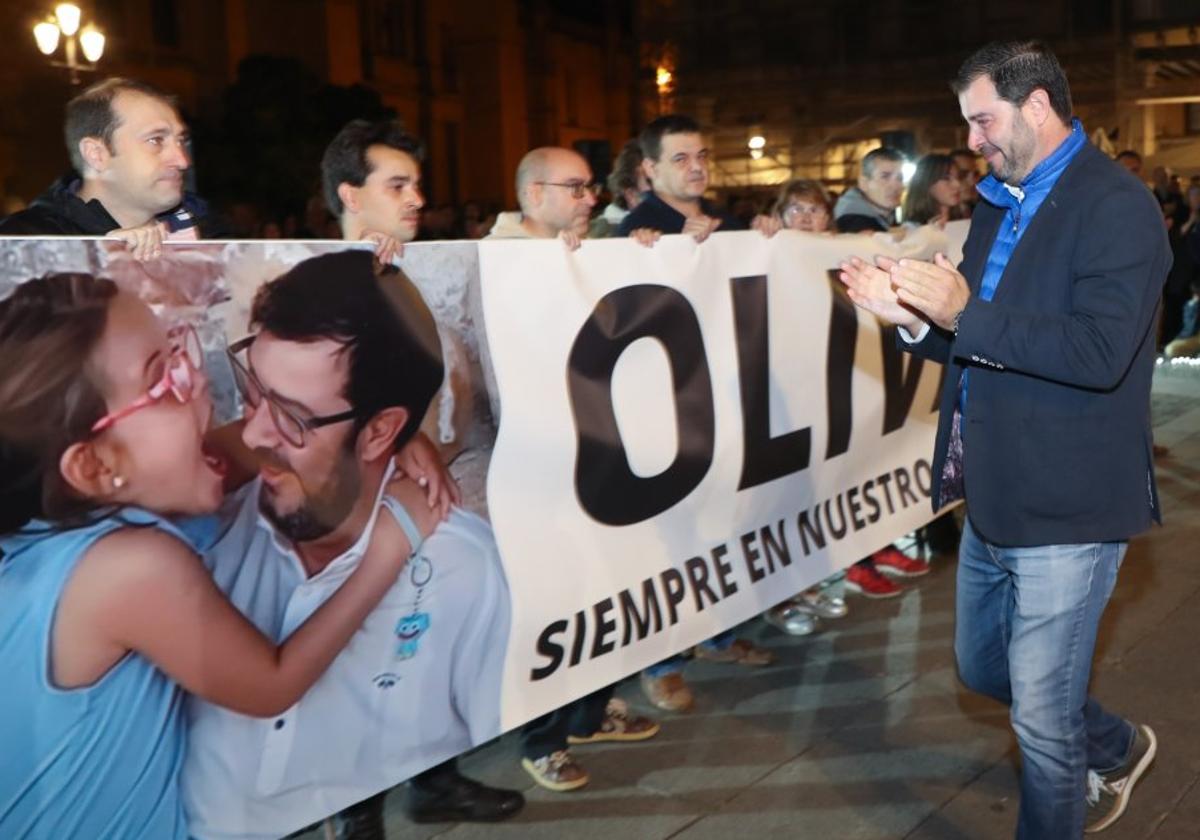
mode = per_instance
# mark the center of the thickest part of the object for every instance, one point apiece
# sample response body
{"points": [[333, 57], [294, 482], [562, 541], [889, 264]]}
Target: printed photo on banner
{"points": [[652, 446]]}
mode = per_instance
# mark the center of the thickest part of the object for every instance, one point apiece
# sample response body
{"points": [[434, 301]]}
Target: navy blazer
{"points": [[1056, 435]]}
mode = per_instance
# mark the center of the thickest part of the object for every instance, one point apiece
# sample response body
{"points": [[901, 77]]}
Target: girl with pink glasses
{"points": [[107, 614]]}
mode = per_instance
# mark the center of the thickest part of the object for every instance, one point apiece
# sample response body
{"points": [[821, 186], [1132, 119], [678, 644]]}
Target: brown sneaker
{"points": [[618, 726], [668, 692], [742, 651], [557, 771]]}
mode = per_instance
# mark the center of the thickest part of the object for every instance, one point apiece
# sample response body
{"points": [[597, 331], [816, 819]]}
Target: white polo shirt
{"points": [[418, 683]]}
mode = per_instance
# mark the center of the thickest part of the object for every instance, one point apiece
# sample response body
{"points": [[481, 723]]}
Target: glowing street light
{"points": [[757, 142], [907, 170], [64, 25], [68, 15], [663, 78]]}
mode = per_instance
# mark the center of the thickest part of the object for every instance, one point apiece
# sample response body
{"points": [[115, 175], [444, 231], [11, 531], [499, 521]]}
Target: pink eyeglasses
{"points": [[186, 358]]}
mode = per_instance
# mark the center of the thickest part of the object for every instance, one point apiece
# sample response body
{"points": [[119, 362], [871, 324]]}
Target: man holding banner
{"points": [[371, 177], [1046, 329], [676, 164], [129, 147], [562, 213]]}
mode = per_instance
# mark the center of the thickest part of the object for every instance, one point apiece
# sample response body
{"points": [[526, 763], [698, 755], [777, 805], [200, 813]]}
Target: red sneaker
{"points": [[865, 579], [893, 561]]}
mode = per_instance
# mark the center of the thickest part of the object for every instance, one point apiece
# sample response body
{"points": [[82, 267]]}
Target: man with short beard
{"points": [[343, 366], [1046, 332]]}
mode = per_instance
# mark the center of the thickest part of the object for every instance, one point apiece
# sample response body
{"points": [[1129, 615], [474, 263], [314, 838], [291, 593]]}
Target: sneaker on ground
{"points": [[742, 651], [865, 579], [1108, 794], [822, 604], [893, 561], [558, 771], [669, 692], [792, 618], [618, 725]]}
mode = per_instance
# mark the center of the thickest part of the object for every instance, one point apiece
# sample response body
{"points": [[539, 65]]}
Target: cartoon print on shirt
{"points": [[409, 630]]}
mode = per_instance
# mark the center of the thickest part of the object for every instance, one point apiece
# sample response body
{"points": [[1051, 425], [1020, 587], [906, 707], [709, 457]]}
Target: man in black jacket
{"points": [[128, 147], [1047, 332]]}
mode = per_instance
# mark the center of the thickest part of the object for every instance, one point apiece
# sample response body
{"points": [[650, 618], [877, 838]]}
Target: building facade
{"points": [[480, 81], [823, 82]]}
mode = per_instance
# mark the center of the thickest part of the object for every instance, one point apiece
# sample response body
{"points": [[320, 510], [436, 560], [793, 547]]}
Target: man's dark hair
{"points": [[1017, 69], [1128, 153], [625, 172], [345, 158], [651, 137], [379, 318], [90, 114], [875, 155]]}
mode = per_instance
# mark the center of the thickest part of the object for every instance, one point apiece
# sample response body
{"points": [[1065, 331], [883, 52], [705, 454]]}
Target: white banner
{"points": [[689, 434]]}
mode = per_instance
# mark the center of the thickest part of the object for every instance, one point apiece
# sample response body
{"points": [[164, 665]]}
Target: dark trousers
{"points": [[364, 820], [548, 733]]}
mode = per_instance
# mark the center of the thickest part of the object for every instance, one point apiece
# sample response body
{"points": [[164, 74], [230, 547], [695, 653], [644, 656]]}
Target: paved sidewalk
{"points": [[863, 732]]}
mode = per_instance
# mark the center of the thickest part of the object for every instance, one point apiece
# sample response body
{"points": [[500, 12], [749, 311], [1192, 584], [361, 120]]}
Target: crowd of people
{"points": [[109, 617]]}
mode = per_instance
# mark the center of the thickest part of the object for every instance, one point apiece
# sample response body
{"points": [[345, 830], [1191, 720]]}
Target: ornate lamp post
{"points": [[64, 25]]}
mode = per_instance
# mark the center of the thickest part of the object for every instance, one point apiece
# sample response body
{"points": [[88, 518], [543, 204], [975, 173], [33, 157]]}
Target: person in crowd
{"points": [[129, 149], [805, 206], [675, 162], [342, 366], [1165, 184], [556, 194], [1192, 209], [871, 206], [935, 193], [967, 164], [862, 209], [1177, 291], [1131, 160], [107, 613], [1043, 428], [627, 182], [1186, 343]]}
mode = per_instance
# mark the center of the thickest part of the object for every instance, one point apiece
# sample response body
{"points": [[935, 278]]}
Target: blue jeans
{"points": [[677, 663], [1025, 633]]}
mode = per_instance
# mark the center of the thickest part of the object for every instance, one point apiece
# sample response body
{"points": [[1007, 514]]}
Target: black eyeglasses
{"points": [[578, 188], [290, 425]]}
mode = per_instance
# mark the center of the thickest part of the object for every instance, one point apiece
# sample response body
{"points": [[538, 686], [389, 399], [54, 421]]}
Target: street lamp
{"points": [[64, 25]]}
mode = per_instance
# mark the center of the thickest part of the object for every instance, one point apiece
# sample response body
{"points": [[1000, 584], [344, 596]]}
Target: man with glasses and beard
{"points": [[343, 365]]}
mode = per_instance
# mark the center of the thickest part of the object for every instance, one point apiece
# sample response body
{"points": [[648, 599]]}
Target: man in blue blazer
{"points": [[1047, 333]]}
